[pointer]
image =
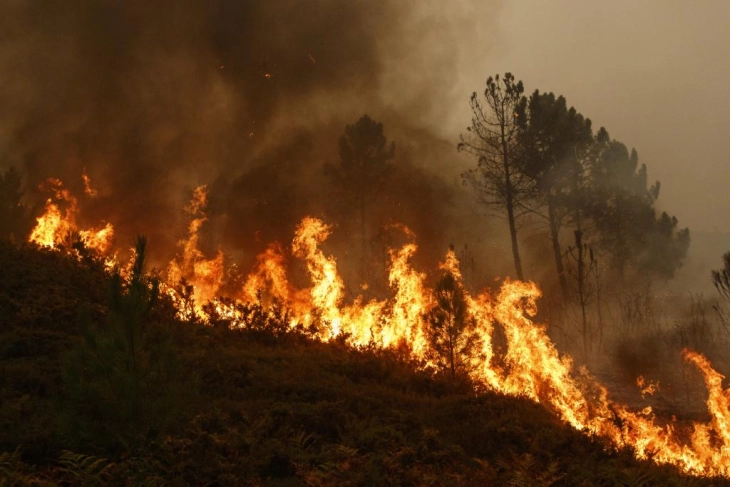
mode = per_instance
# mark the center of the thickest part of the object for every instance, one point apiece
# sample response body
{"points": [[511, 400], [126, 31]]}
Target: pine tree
{"points": [[449, 328], [123, 382]]}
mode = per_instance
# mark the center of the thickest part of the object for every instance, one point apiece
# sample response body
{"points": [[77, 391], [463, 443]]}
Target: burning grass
{"points": [[529, 367]]}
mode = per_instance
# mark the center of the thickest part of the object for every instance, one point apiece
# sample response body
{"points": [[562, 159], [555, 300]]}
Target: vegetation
{"points": [[492, 139], [122, 383], [721, 278], [538, 157], [553, 144], [14, 217], [450, 331], [365, 161], [269, 407]]}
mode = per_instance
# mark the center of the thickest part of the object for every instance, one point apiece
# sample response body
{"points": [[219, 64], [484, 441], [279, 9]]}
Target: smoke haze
{"points": [[654, 73], [155, 98]]}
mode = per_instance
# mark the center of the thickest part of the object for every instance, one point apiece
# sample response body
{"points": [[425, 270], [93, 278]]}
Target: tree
{"points": [[664, 248], [13, 214], [581, 254], [553, 143], [364, 162], [721, 278], [123, 382], [622, 210], [621, 204], [492, 139], [450, 329]]}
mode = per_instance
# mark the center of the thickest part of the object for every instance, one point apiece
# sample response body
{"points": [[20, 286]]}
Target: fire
{"points": [[327, 290], [409, 303], [54, 226], [205, 275], [649, 388], [535, 368], [529, 365], [87, 186], [51, 227], [270, 275], [58, 222], [99, 240]]}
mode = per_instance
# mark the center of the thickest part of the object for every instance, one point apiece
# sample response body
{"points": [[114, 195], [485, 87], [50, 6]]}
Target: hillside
{"points": [[254, 406]]}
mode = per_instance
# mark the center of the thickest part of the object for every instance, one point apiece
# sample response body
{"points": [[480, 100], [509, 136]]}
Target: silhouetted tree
{"points": [[364, 162], [554, 141], [123, 381], [622, 210], [450, 330], [13, 213], [664, 248], [621, 206], [492, 138], [585, 264], [721, 278]]}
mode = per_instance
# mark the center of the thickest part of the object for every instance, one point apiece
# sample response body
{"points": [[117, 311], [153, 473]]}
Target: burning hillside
{"points": [[411, 318], [116, 113]]}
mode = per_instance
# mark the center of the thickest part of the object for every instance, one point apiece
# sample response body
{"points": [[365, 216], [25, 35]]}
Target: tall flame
{"points": [[205, 275]]}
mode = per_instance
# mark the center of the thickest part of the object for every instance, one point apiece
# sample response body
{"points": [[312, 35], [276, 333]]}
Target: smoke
{"points": [[151, 99]]}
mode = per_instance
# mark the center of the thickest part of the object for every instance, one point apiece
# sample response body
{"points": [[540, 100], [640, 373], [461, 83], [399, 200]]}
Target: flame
{"points": [[646, 388], [326, 292], [191, 266], [405, 324], [530, 365], [98, 240], [58, 222], [55, 225], [269, 275], [87, 186]]}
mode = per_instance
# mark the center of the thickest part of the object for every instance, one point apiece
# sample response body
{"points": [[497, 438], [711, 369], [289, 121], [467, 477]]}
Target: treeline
{"points": [[538, 160]]}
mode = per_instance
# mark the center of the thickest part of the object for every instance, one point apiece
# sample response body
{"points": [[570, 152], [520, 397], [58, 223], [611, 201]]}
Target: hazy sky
{"points": [[655, 73]]}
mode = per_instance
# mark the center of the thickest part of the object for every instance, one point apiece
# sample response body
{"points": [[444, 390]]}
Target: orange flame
{"points": [[646, 388], [54, 226], [270, 275], [87, 186], [205, 275], [98, 240], [58, 222]]}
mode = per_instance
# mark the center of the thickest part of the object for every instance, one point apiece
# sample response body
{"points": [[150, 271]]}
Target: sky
{"points": [[655, 73]]}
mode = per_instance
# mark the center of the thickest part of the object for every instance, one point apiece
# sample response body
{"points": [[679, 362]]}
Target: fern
{"points": [[526, 471], [85, 468], [13, 471], [637, 478]]}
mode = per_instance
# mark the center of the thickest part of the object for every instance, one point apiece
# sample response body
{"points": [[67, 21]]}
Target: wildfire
{"points": [[87, 186], [646, 388], [190, 266], [58, 222], [530, 364]]}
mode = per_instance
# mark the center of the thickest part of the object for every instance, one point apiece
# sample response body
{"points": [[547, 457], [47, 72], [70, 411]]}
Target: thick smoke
{"points": [[151, 99]]}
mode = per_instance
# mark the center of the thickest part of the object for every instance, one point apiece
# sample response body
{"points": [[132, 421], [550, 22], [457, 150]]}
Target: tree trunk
{"points": [[581, 287], [557, 253], [509, 197], [513, 236], [363, 242], [452, 345]]}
